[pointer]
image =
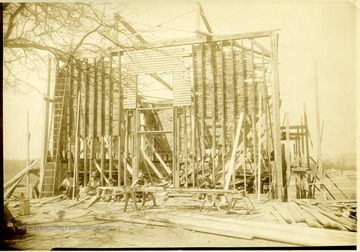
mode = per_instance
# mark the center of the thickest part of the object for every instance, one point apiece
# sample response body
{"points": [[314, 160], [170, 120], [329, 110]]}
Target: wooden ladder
{"points": [[48, 189]]}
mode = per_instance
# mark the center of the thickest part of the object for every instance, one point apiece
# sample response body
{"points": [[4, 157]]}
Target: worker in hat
{"points": [[94, 183], [67, 185]]}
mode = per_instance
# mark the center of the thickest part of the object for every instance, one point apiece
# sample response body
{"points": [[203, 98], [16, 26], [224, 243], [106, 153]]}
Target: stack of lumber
{"points": [[332, 215], [242, 229]]}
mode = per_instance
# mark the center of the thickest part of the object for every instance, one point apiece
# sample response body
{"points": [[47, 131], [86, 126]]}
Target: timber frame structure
{"points": [[222, 118]]}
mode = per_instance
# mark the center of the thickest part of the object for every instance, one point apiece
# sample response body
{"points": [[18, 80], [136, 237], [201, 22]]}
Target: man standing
{"points": [[67, 185]]}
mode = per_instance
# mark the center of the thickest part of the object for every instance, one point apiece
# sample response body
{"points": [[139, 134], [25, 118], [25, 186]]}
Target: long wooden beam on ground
{"points": [[290, 234]]}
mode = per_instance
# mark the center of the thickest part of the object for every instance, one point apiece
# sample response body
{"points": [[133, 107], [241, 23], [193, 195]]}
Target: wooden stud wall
{"points": [[227, 79]]}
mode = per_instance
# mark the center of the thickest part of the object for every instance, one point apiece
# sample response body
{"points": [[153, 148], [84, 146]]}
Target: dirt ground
{"points": [[77, 228]]}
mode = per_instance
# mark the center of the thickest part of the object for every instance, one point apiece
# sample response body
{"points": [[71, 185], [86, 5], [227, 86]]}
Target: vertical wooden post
{"points": [[198, 17], [202, 115], [303, 158], [135, 135], [86, 122], [194, 119], [318, 126], [185, 145], [287, 156], [276, 112], [70, 115], [126, 145], [259, 151], [244, 128], [233, 87], [102, 159], [120, 120], [177, 139], [306, 138], [77, 130], [214, 104], [77, 142], [223, 115], [256, 142], [29, 191], [253, 129], [102, 122], [94, 119], [110, 118]]}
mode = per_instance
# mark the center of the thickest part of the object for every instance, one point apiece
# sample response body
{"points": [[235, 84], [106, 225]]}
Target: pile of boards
{"points": [[242, 229], [332, 215]]}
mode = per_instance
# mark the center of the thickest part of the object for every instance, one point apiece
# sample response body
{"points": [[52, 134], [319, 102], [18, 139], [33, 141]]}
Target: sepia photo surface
{"points": [[180, 124]]}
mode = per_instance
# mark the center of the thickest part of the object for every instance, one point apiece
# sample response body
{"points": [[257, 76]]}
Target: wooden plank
{"points": [[91, 202], [307, 149], [322, 235], [270, 231], [343, 221], [126, 145], [78, 202], [49, 200], [101, 171], [276, 113], [318, 130], [295, 212], [323, 220], [259, 152], [336, 186], [158, 156], [261, 47], [192, 40], [147, 159], [231, 169], [202, 114], [205, 20], [102, 161], [77, 141], [287, 157], [9, 192], [275, 213], [310, 220], [223, 115], [19, 175], [283, 213]]}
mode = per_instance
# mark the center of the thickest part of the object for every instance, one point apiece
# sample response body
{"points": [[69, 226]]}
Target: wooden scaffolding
{"points": [[219, 116]]}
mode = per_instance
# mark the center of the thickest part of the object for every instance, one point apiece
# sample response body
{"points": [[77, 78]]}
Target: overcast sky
{"points": [[322, 31]]}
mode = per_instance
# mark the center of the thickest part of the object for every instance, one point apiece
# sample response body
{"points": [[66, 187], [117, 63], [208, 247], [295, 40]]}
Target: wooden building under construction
{"points": [[174, 110]]}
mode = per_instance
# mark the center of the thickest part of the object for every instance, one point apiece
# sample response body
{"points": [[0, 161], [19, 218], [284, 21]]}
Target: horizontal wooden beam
{"points": [[155, 132], [206, 34], [189, 190], [194, 40], [293, 127], [155, 108]]}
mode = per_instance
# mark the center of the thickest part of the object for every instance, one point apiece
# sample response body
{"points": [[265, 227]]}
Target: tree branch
{"points": [[11, 20]]}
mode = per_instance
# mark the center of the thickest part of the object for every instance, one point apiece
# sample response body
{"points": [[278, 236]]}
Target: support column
{"points": [[29, 191], [287, 157], [276, 113], [120, 139]]}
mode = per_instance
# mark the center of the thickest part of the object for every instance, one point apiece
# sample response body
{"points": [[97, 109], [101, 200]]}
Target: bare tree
{"points": [[68, 31]]}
